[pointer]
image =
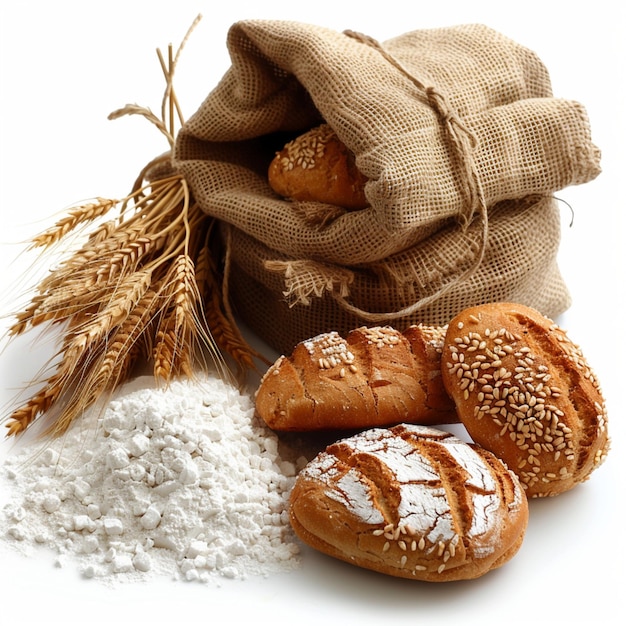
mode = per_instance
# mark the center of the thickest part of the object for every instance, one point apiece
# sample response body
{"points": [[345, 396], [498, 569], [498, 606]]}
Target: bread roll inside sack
{"points": [[374, 376], [524, 391], [410, 501], [317, 166]]}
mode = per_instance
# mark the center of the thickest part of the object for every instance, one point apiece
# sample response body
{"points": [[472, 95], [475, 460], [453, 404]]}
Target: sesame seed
{"points": [[303, 151]]}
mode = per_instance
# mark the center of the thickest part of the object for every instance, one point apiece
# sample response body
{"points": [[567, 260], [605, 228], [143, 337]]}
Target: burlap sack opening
{"points": [[515, 268], [443, 122]]}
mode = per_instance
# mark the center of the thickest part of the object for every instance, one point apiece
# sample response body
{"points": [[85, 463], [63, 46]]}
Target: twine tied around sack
{"points": [[306, 278], [462, 141]]}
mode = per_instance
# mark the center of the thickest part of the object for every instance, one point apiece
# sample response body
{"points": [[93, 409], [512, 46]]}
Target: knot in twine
{"points": [[461, 139], [305, 279]]}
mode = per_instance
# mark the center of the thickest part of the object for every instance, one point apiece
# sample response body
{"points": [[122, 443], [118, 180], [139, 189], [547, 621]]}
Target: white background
{"points": [[65, 65]]}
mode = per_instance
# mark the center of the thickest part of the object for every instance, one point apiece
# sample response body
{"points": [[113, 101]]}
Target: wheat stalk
{"points": [[38, 404], [51, 392], [145, 284]]}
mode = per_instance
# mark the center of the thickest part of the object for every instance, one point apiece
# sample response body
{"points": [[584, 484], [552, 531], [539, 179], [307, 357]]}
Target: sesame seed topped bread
{"points": [[317, 166], [524, 391], [375, 376], [410, 501]]}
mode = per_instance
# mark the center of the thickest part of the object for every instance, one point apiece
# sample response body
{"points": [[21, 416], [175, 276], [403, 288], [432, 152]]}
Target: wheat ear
{"points": [[77, 216]]}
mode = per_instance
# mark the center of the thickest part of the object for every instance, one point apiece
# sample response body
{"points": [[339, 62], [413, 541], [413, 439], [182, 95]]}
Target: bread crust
{"points": [[524, 391], [412, 502], [375, 376], [316, 166]]}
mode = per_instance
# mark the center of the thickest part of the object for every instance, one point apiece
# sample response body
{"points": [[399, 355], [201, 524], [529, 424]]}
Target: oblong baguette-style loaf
{"points": [[524, 391], [410, 501], [375, 376]]}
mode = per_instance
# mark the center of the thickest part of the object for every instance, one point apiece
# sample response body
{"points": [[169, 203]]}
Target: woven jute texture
{"points": [[460, 138]]}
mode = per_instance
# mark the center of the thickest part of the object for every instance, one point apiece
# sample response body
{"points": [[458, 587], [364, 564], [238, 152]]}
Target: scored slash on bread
{"points": [[373, 377], [410, 501]]}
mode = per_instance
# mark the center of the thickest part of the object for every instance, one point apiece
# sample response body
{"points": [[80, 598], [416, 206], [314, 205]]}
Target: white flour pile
{"points": [[183, 483]]}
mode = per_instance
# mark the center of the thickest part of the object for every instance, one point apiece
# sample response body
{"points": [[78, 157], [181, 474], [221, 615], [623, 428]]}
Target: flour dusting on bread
{"points": [[411, 501]]}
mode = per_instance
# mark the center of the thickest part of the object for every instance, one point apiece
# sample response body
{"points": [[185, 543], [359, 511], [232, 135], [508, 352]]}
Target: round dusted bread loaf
{"points": [[524, 391], [317, 166], [410, 501]]}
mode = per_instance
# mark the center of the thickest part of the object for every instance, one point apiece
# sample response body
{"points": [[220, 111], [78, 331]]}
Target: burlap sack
{"points": [[446, 124]]}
